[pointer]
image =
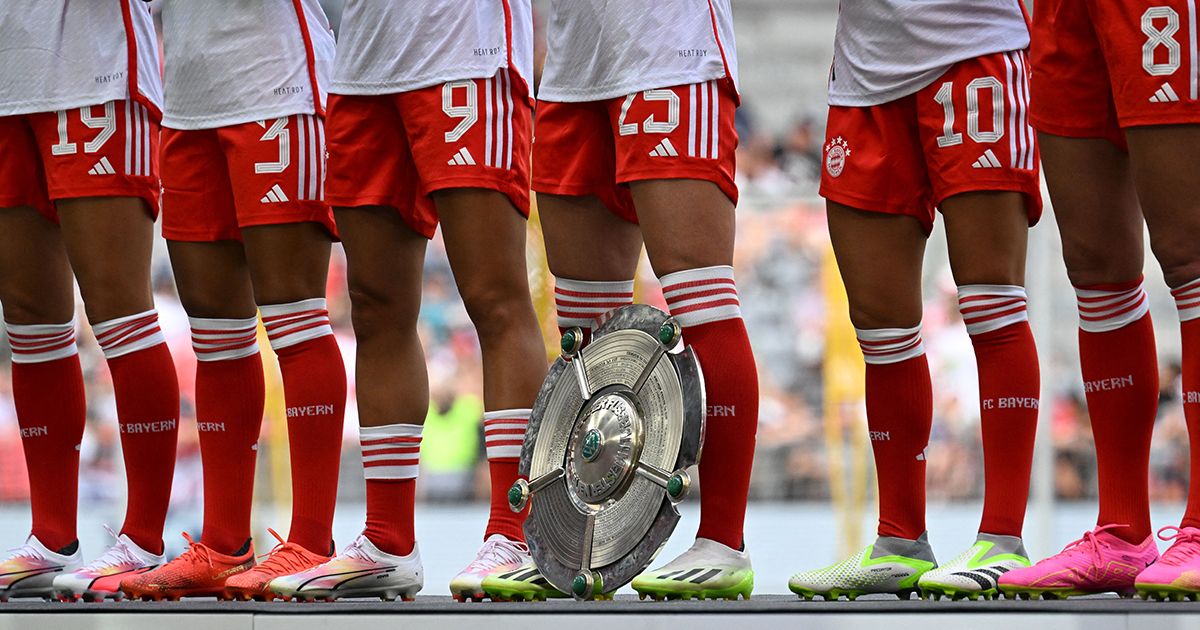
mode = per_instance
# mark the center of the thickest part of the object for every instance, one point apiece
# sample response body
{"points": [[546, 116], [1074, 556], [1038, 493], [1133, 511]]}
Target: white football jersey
{"points": [[392, 46], [60, 54], [888, 49], [229, 62], [600, 49]]}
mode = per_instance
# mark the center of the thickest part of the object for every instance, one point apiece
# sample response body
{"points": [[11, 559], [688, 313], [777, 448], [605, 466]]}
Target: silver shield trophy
{"points": [[614, 429]]}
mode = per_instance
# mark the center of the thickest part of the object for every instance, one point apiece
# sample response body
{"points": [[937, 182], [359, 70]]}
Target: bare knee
{"points": [[497, 310], [1176, 253], [377, 312], [1092, 262], [28, 306]]}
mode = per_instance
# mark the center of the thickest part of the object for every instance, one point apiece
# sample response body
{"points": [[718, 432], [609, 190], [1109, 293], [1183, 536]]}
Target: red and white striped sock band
{"points": [[392, 451], [504, 432], [121, 336], [40, 343], [1102, 309], [881, 346], [988, 307], [224, 339], [1187, 300], [290, 324], [699, 296], [583, 302]]}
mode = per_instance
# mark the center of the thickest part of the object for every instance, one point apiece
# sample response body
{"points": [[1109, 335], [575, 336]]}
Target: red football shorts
{"points": [[596, 148], [217, 181], [1105, 64], [396, 149], [108, 150], [967, 131]]}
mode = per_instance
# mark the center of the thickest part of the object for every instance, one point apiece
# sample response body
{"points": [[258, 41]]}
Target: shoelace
{"points": [[118, 555], [1180, 550], [284, 556], [497, 552], [25, 551], [197, 552], [1088, 544]]}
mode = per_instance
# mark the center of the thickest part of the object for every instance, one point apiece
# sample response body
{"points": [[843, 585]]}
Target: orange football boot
{"points": [[197, 572], [285, 559]]}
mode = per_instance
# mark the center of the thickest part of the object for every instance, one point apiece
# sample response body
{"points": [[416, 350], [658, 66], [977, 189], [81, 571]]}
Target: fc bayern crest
{"points": [[836, 153]]}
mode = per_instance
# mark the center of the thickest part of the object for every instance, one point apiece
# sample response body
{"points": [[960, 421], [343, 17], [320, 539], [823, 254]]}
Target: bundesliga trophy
{"points": [[613, 430]]}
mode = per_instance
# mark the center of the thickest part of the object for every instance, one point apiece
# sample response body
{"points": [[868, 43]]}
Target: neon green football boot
{"points": [[976, 571], [891, 566], [709, 570], [525, 583]]}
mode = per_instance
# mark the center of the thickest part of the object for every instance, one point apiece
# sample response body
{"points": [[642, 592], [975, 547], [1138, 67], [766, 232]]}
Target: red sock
{"points": [[1120, 380], [48, 394], [1009, 388], [705, 303], [314, 389], [147, 395], [229, 410], [1187, 301], [584, 303], [391, 460], [504, 433], [899, 418]]}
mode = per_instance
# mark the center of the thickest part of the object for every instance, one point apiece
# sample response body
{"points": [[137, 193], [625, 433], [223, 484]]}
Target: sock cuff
{"points": [[881, 346], [584, 302], [1104, 308], [124, 335], [702, 295], [988, 307], [391, 451], [224, 339], [41, 343], [296, 322], [1187, 300], [504, 432]]}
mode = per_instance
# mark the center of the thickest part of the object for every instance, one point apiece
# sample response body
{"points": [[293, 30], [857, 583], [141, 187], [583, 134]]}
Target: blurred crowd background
{"points": [[791, 302]]}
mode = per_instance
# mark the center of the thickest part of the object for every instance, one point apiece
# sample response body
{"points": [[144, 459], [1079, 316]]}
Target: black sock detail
{"points": [[244, 549], [70, 549]]}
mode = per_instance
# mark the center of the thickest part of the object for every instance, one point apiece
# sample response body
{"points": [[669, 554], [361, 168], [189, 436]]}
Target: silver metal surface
{"points": [[604, 442]]}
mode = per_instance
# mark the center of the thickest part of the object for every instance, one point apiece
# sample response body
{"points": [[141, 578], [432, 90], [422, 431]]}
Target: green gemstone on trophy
{"points": [[568, 341], [591, 445], [667, 332], [579, 585], [675, 486], [515, 495]]}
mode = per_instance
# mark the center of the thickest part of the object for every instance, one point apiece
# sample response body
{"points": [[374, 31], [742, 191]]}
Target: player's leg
{"points": [[38, 298], [371, 183], [97, 211], [1170, 198], [213, 281]]}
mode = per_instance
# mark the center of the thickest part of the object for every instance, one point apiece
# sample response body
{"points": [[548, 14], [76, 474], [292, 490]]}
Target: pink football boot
{"points": [[1097, 563], [1177, 575]]}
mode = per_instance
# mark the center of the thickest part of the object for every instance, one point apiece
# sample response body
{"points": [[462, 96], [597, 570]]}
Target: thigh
{"points": [[109, 242], [879, 257], [384, 260], [677, 132], [35, 278], [686, 223], [586, 241], [288, 262], [105, 150], [277, 171], [1164, 160], [987, 234], [975, 130], [574, 156], [1096, 207], [485, 242], [22, 178], [213, 279]]}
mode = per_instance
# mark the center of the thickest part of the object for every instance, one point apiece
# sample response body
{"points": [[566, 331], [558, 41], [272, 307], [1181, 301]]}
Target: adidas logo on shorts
{"points": [[275, 195], [103, 167], [987, 160], [1165, 94], [664, 149], [462, 158]]}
